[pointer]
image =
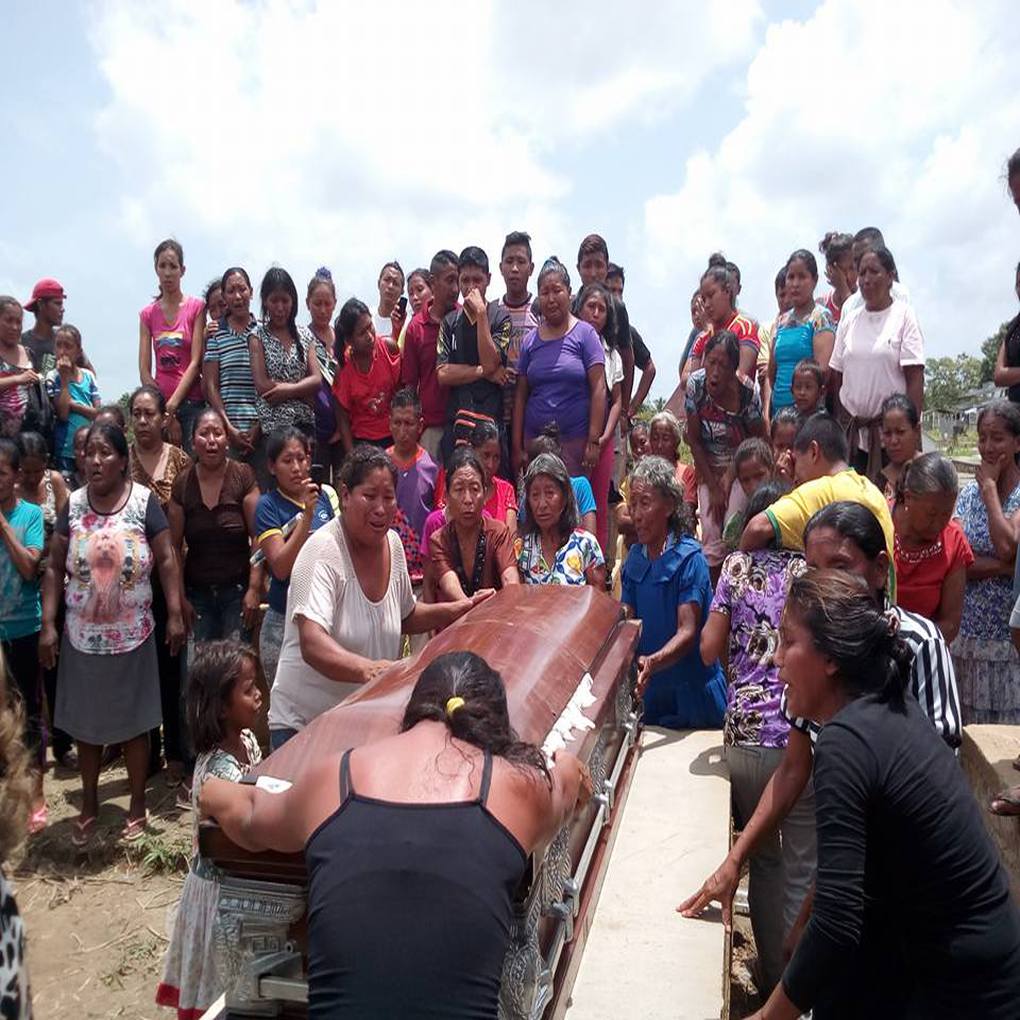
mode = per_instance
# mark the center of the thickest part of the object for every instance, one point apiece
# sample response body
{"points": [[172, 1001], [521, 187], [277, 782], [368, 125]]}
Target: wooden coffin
{"points": [[550, 644]]}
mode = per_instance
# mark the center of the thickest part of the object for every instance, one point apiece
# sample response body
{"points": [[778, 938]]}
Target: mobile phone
{"points": [[318, 474], [402, 304]]}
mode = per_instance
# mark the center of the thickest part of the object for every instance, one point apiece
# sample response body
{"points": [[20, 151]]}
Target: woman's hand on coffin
{"points": [[372, 668], [574, 777], [721, 887]]}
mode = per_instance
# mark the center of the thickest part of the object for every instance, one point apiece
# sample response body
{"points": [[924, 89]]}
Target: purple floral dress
{"points": [[752, 592]]}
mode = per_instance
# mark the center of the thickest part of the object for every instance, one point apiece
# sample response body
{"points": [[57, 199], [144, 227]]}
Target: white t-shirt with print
{"points": [[325, 589]]}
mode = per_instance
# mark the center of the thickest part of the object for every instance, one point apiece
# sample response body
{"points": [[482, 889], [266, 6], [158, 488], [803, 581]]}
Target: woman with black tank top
{"points": [[414, 846]]}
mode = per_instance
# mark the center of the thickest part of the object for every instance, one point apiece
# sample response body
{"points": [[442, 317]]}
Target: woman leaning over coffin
{"points": [[402, 836]]}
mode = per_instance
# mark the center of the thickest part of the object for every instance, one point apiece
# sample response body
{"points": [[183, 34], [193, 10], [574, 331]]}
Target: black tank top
{"points": [[409, 907]]}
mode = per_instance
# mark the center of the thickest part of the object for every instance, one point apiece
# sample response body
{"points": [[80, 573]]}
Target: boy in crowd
{"points": [[471, 355], [616, 280], [808, 387], [516, 267], [416, 475], [593, 265], [418, 369]]}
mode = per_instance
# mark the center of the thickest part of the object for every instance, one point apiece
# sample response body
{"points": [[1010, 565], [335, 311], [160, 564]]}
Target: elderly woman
{"points": [[553, 549], [666, 586], [560, 377], [988, 510], [932, 552], [212, 517], [471, 552], [879, 351], [107, 541], [350, 600], [722, 411], [156, 465], [912, 914], [805, 331], [386, 856]]}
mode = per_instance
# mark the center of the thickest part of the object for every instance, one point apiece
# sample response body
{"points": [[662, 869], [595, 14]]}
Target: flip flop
{"points": [[81, 831], [38, 820], [134, 828], [1006, 802]]}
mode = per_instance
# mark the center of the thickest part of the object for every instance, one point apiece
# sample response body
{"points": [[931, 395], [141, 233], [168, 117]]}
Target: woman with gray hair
{"points": [[931, 549], [666, 586], [554, 549]]}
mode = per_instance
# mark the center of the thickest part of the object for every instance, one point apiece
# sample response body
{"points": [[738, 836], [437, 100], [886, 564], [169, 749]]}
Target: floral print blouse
{"points": [[573, 559], [752, 592], [986, 603]]}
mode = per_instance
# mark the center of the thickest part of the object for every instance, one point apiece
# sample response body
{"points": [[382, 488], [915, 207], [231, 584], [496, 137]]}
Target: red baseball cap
{"points": [[47, 288]]}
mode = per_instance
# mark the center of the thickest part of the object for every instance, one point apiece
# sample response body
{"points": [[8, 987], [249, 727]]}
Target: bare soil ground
{"points": [[97, 921]]}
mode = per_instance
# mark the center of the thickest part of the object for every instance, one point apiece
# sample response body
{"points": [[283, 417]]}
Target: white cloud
{"points": [[866, 113], [342, 132]]}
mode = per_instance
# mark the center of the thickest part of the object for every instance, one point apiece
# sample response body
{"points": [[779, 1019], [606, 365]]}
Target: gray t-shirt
{"points": [[42, 351]]}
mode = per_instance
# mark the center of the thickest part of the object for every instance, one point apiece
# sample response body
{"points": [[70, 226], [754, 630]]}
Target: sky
{"points": [[303, 133]]}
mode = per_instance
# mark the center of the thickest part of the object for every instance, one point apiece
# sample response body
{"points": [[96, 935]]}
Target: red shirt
{"points": [[745, 328], [920, 572], [366, 396], [419, 366]]}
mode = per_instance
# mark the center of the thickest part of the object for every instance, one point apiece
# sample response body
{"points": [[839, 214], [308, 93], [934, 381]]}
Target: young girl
{"points": [[901, 440], [283, 362], [753, 465], [298, 505], [808, 386], [171, 331], [223, 705], [783, 430], [73, 392], [664, 431], [596, 308], [17, 376], [369, 375]]}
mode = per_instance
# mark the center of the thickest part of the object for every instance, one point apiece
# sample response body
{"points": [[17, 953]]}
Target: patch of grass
{"points": [[162, 852]]}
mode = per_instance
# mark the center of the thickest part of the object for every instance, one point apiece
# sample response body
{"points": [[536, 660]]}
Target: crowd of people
{"points": [[345, 487]]}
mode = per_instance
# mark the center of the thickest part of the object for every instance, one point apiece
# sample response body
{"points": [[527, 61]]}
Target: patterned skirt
{"points": [[190, 981], [988, 676]]}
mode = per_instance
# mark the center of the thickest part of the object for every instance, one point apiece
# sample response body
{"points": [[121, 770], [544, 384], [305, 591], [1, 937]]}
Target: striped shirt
{"points": [[932, 680], [237, 388]]}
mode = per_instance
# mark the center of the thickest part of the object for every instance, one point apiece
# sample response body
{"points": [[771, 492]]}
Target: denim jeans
{"points": [[280, 736], [218, 611], [270, 640], [187, 415]]}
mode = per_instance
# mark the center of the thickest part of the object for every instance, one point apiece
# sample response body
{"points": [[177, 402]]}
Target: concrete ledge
{"points": [[987, 756], [643, 959]]}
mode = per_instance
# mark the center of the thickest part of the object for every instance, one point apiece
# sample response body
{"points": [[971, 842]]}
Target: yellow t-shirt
{"points": [[789, 514]]}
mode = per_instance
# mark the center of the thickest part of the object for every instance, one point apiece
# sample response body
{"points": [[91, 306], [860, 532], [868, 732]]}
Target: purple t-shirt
{"points": [[557, 372], [752, 592], [416, 489]]}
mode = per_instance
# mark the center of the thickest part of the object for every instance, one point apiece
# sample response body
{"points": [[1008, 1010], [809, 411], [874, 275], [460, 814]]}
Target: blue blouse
{"points": [[689, 694]]}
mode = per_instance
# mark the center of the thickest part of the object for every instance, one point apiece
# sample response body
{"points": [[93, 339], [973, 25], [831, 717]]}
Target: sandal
{"points": [[134, 828], [81, 831], [38, 820], [1006, 802]]}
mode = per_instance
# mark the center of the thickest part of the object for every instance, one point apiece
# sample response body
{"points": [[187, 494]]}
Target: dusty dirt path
{"points": [[97, 922]]}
